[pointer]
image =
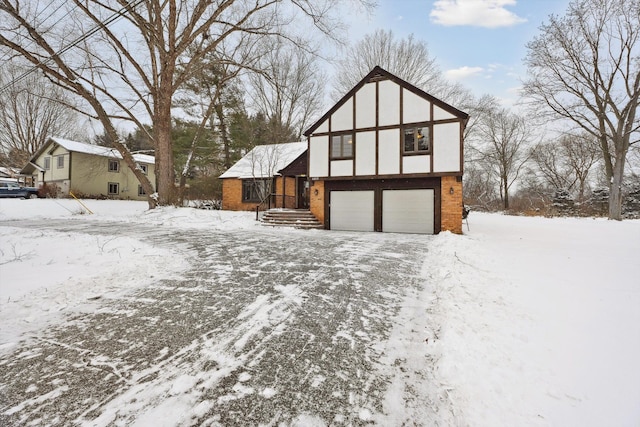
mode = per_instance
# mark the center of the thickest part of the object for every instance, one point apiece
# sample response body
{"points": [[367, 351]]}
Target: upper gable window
{"points": [[416, 140], [342, 146], [47, 163], [114, 166], [60, 162]]}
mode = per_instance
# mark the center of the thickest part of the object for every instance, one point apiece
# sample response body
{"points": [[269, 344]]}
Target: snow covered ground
{"points": [[521, 321]]}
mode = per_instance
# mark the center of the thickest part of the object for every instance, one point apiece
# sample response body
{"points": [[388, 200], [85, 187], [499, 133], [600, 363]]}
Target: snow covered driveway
{"points": [[267, 326]]}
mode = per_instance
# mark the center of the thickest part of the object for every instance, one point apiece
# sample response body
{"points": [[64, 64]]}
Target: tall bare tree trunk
{"points": [[615, 191], [165, 174]]}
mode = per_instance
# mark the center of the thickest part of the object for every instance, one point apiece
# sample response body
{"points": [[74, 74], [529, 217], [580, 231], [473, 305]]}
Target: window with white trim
{"points": [[114, 166], [114, 188]]}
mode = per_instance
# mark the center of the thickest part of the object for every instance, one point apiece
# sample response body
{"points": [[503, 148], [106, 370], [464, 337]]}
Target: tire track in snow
{"points": [[286, 326]]}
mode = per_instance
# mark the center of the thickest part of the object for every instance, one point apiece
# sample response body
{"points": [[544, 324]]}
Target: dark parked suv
{"points": [[12, 189]]}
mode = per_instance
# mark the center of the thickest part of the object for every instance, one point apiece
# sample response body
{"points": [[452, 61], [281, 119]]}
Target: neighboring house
{"points": [[269, 175], [88, 170], [387, 157]]}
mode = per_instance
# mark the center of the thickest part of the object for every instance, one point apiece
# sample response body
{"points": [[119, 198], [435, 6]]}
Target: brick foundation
{"points": [[451, 205], [316, 201]]}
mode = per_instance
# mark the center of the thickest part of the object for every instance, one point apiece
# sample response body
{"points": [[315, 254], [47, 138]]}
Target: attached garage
{"points": [[352, 210], [390, 205], [408, 211]]}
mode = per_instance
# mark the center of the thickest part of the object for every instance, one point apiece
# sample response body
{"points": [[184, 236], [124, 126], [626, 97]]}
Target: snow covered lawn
{"points": [[188, 317]]}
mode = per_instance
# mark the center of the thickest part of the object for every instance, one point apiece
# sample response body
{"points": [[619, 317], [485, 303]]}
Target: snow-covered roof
{"points": [[98, 150], [264, 161], [8, 172]]}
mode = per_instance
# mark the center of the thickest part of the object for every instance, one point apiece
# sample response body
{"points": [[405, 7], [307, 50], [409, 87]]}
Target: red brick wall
{"points": [[285, 186], [290, 192], [232, 196], [451, 205], [316, 201]]}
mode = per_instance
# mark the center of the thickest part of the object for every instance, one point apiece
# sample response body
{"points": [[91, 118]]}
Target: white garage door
{"points": [[352, 210], [407, 211]]}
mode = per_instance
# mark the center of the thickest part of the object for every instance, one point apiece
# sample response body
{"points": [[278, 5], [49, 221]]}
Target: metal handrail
{"points": [[266, 198]]}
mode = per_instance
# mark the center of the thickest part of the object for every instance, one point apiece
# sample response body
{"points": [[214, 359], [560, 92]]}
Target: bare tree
{"points": [[566, 164], [407, 58], [479, 186], [31, 110], [289, 89], [582, 153], [551, 166], [504, 150], [584, 67], [132, 69]]}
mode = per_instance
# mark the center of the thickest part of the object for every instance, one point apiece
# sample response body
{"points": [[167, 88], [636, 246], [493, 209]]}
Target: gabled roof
{"points": [[378, 73], [30, 168], [96, 150], [265, 161]]}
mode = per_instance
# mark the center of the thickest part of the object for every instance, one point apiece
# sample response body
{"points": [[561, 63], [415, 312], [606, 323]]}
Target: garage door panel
{"points": [[408, 211], [352, 210]]}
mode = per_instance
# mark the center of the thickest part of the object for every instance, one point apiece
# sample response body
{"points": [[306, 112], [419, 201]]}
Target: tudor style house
{"points": [[387, 157], [88, 170]]}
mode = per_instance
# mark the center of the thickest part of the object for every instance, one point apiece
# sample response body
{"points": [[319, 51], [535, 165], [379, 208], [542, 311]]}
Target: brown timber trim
{"points": [[387, 127], [373, 75], [329, 125], [377, 128], [401, 136], [391, 177], [461, 148], [431, 137]]}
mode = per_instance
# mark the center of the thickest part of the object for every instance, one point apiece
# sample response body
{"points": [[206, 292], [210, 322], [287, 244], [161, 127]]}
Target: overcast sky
{"points": [[480, 43]]}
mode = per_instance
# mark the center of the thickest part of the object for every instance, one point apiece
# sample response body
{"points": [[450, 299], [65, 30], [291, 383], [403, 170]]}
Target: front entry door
{"points": [[302, 193]]}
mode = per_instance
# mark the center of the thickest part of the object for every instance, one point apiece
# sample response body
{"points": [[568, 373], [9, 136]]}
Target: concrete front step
{"points": [[291, 218]]}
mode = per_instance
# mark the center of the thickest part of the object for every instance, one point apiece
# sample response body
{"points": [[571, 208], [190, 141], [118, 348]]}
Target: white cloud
{"points": [[462, 73], [479, 13]]}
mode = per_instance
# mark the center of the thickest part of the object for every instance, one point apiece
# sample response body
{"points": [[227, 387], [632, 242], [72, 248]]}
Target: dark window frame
{"points": [[115, 169], [141, 191], [115, 186], [412, 131], [343, 140], [143, 168], [251, 193]]}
